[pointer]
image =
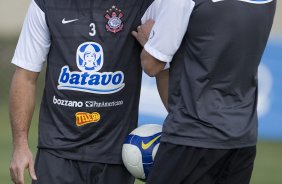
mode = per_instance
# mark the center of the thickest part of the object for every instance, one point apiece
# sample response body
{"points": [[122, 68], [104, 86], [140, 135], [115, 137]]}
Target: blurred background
{"points": [[268, 165]]}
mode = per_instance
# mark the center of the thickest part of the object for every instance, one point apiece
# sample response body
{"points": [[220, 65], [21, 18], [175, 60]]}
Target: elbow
{"points": [[150, 74], [150, 70], [151, 65]]}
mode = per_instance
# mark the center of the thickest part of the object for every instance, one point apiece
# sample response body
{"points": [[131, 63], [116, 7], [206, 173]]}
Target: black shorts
{"points": [[176, 164], [51, 169]]}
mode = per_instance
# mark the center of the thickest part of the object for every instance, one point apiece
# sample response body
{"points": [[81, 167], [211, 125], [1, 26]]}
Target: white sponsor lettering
{"points": [[67, 103], [103, 104]]}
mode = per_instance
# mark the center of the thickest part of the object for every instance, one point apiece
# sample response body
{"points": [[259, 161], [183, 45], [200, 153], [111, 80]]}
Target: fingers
{"points": [[22, 159], [17, 174], [150, 23], [134, 33], [143, 31], [12, 174], [142, 34], [20, 176], [31, 170]]}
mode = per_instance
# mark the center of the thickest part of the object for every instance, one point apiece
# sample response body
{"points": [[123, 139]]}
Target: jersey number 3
{"points": [[92, 29]]}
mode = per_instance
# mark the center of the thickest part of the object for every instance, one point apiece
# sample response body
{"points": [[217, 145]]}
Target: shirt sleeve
{"points": [[171, 20], [34, 42], [151, 12]]}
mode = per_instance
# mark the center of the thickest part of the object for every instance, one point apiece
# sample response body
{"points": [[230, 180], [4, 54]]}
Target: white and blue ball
{"points": [[139, 149]]}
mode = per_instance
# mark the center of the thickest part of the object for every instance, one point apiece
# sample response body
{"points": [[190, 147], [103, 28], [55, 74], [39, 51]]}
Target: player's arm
{"points": [[32, 49], [162, 39], [150, 64], [165, 36], [22, 100], [162, 79]]}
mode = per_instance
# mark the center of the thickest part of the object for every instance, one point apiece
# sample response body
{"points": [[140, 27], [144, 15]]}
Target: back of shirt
{"points": [[213, 74]]}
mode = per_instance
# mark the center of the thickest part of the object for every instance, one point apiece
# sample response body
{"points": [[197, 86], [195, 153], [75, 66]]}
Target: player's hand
{"points": [[22, 159], [143, 32]]}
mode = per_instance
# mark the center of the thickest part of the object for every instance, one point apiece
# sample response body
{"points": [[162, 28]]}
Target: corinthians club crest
{"points": [[114, 23]]}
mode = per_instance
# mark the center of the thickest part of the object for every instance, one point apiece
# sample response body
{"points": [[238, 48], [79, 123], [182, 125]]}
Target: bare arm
{"points": [[22, 100], [162, 83], [150, 64]]}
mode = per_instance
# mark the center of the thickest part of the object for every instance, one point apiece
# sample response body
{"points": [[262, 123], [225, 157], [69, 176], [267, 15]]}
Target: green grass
{"points": [[268, 164]]}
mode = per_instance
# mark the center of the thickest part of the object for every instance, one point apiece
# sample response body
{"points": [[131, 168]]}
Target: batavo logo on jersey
{"points": [[90, 59], [114, 23], [83, 118]]}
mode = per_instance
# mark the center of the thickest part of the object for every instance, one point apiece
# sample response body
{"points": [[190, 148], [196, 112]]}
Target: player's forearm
{"points": [[151, 65], [162, 83], [22, 100]]}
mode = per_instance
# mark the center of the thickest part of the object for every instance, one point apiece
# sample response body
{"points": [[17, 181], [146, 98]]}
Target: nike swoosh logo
{"points": [[147, 145], [64, 21]]}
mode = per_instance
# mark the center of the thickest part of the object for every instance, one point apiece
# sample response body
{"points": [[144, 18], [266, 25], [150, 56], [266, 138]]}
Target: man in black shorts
{"points": [[213, 48], [91, 95]]}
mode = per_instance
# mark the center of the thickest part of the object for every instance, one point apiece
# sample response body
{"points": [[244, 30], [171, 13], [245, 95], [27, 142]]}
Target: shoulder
{"points": [[41, 4]]}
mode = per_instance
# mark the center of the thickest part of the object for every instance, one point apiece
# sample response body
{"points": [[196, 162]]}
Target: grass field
{"points": [[268, 165]]}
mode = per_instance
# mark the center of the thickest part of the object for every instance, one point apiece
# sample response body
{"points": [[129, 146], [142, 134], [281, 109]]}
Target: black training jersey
{"points": [[213, 68], [92, 87]]}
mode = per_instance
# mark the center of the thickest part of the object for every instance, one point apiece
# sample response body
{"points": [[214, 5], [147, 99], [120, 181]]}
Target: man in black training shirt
{"points": [[92, 89], [213, 48]]}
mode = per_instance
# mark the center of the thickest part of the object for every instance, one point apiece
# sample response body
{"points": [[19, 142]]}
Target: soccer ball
{"points": [[139, 149]]}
